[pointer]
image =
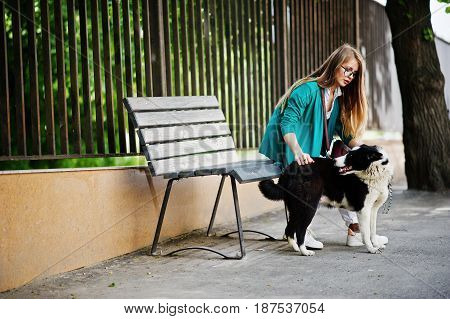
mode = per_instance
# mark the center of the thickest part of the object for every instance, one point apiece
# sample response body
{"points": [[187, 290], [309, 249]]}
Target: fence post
{"points": [[281, 43], [5, 125], [357, 31], [157, 48]]}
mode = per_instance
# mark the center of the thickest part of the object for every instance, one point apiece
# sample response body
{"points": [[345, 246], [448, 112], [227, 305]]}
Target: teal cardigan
{"points": [[303, 116]]}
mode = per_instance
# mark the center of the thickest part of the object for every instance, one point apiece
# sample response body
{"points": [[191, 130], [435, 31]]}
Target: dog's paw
{"points": [[374, 250], [378, 246], [306, 252]]}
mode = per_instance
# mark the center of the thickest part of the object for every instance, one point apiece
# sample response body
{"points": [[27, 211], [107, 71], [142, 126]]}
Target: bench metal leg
{"points": [[238, 221], [213, 215], [161, 216], [238, 216], [216, 204], [240, 231]]}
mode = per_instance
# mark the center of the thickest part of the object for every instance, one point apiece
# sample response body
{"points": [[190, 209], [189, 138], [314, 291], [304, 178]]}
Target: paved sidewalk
{"points": [[415, 263]]}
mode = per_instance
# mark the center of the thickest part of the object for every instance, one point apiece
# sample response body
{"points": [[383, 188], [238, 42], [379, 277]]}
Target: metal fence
{"points": [[66, 65]]}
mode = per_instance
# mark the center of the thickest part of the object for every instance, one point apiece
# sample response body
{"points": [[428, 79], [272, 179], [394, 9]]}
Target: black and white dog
{"points": [[357, 181]]}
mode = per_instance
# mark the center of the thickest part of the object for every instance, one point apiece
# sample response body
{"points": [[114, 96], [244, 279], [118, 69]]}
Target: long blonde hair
{"points": [[353, 102]]}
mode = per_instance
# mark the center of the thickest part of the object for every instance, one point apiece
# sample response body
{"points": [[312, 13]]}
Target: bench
{"points": [[183, 137]]}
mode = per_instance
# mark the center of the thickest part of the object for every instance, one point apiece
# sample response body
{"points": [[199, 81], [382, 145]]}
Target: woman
{"points": [[295, 131]]}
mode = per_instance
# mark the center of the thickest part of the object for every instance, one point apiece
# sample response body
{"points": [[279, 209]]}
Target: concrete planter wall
{"points": [[57, 221]]}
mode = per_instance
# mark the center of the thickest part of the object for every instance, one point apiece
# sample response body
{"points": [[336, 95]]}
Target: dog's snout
{"points": [[383, 152]]}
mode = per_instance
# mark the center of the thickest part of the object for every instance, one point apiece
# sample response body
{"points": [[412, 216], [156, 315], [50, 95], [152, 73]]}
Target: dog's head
{"points": [[360, 159]]}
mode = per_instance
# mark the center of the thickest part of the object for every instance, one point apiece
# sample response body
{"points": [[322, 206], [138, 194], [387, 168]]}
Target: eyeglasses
{"points": [[349, 73]]}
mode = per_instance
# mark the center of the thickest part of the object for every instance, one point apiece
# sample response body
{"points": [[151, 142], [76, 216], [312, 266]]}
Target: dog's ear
{"points": [[374, 156]]}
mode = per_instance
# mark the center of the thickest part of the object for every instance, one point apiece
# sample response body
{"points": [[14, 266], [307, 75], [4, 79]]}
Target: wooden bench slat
{"points": [[192, 162], [256, 171], [188, 136], [139, 104], [149, 119], [174, 133], [189, 147], [228, 168]]}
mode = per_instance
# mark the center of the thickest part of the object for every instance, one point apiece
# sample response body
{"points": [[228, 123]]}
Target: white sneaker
{"points": [[356, 240], [310, 242], [382, 240]]}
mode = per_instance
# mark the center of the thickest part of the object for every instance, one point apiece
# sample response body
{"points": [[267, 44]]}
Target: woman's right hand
{"points": [[300, 157], [304, 159]]}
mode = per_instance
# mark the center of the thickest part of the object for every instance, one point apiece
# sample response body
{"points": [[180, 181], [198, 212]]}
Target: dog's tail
{"points": [[270, 190]]}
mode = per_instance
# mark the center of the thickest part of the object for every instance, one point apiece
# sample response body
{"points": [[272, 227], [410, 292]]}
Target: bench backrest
{"points": [[181, 134]]}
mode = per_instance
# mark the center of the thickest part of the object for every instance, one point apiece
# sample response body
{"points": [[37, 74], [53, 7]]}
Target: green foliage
{"points": [[73, 163], [447, 10], [12, 59], [428, 34]]}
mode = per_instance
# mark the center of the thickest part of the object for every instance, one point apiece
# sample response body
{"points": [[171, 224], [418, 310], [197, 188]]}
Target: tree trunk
{"points": [[426, 125]]}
